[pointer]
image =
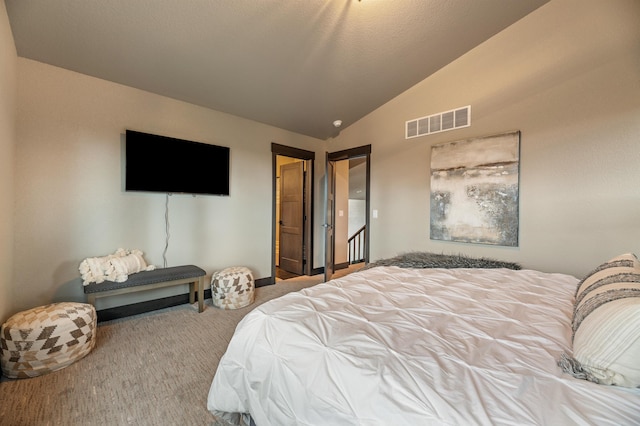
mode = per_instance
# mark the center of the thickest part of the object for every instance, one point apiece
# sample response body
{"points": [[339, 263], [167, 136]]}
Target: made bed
{"points": [[393, 345]]}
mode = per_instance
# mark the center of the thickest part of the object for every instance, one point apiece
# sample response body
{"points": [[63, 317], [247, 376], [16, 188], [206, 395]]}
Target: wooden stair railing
{"points": [[357, 244]]}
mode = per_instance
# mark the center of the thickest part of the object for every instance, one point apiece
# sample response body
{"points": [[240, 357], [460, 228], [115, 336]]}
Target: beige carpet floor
{"points": [[149, 369]]}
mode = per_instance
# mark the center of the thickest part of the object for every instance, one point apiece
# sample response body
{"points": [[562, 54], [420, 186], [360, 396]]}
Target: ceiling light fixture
{"points": [[337, 123]]}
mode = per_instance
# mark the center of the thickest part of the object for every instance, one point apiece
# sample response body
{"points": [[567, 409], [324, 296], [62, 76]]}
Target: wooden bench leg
{"points": [[192, 293], [201, 294]]}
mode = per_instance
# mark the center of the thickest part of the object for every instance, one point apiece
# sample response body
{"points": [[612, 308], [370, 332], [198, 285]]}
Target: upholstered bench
{"points": [[47, 338], [232, 288], [147, 280]]}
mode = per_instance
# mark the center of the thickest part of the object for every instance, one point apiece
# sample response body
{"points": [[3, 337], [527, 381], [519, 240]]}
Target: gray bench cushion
{"points": [[148, 277]]}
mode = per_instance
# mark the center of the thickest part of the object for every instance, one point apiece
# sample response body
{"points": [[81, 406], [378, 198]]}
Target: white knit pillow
{"points": [[606, 323], [129, 262], [114, 267]]}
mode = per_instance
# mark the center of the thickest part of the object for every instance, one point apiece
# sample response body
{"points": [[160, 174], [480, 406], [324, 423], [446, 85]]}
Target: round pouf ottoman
{"points": [[46, 338], [233, 288]]}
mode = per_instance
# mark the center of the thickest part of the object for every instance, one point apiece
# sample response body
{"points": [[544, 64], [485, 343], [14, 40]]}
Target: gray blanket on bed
{"points": [[434, 260]]}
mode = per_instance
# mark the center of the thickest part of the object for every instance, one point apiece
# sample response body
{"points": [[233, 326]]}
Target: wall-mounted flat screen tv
{"points": [[156, 163]]}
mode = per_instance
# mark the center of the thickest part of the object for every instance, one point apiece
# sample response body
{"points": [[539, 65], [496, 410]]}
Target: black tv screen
{"points": [[156, 163]]}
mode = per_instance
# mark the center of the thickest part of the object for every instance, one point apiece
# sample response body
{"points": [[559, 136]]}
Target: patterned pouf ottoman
{"points": [[233, 288], [46, 338]]}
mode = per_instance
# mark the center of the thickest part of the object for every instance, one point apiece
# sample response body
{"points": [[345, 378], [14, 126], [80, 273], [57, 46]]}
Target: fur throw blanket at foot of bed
{"points": [[435, 260]]}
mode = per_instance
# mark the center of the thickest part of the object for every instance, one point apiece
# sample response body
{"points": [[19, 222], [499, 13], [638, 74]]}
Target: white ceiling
{"points": [[297, 64]]}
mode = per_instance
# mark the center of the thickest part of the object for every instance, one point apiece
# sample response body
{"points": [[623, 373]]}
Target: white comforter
{"points": [[392, 346]]}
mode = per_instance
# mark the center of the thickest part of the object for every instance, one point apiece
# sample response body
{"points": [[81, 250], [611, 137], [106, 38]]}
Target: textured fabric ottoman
{"points": [[46, 338], [232, 288]]}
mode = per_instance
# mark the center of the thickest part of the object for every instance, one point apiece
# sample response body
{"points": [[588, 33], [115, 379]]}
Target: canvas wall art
{"points": [[475, 190]]}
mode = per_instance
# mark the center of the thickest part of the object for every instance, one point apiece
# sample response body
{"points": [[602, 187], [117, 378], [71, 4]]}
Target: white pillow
{"points": [[113, 267], [128, 263], [606, 322]]}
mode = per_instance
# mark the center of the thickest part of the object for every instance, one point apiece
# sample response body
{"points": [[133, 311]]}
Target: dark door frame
{"points": [[308, 157], [329, 217], [362, 151]]}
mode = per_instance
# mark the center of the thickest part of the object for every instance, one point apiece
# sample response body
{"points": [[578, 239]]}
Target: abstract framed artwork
{"points": [[475, 190]]}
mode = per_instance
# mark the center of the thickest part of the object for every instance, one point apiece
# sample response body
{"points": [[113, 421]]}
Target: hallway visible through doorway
{"points": [[319, 278], [281, 274]]}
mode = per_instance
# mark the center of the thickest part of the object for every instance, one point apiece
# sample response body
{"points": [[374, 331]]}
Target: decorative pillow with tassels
{"points": [[606, 325]]}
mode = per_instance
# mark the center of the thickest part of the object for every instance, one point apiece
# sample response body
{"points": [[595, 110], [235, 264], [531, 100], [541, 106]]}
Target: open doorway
{"points": [[347, 208], [292, 212]]}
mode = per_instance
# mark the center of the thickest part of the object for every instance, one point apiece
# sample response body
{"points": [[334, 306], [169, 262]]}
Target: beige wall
{"points": [[70, 200], [8, 96], [568, 77]]}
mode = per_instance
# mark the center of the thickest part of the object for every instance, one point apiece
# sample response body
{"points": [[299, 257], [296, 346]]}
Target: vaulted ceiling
{"points": [[294, 64]]}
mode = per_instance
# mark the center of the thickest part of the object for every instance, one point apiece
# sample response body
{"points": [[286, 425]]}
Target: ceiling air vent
{"points": [[441, 122]]}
